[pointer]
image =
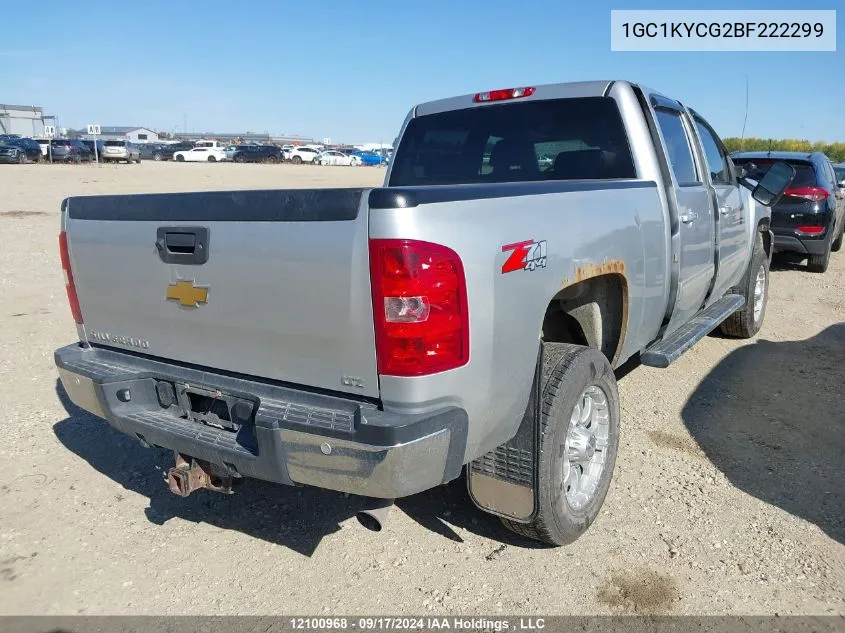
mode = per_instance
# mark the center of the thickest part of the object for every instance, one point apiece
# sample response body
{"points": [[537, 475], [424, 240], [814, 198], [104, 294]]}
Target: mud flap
{"points": [[504, 481]]}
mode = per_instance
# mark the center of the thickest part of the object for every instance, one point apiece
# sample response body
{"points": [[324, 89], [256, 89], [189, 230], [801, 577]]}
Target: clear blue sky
{"points": [[351, 70]]}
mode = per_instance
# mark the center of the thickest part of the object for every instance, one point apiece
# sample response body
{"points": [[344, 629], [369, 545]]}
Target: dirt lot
{"points": [[728, 494]]}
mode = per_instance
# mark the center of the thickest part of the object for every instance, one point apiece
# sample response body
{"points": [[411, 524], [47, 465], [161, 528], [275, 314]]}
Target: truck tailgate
{"points": [[283, 293]]}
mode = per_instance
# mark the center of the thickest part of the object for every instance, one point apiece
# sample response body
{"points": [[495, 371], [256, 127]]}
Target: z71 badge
{"points": [[528, 255]]}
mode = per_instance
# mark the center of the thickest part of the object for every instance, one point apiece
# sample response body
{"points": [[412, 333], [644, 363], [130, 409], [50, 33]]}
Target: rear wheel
{"points": [[238, 159], [211, 159], [747, 322], [296, 160], [819, 263], [158, 157], [180, 158], [579, 428]]}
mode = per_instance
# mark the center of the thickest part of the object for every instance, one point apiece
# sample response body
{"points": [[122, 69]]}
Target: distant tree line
{"points": [[834, 151]]}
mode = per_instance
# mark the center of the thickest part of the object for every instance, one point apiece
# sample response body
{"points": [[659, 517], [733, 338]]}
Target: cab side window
{"points": [[717, 160]]}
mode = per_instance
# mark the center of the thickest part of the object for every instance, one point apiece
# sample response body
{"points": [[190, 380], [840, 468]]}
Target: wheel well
{"points": [[593, 312]]}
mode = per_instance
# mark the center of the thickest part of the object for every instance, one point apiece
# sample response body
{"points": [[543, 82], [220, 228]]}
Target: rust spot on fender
{"points": [[589, 270], [610, 267]]}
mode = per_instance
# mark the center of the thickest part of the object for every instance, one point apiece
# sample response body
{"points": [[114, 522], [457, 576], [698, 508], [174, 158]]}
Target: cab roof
{"points": [[596, 88]]}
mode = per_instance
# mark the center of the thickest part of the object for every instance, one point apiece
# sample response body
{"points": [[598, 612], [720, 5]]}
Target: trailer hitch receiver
{"points": [[191, 474]]}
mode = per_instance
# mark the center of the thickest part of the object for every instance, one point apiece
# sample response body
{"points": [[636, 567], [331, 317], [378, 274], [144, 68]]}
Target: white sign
{"points": [[94, 130], [49, 130], [327, 141]]}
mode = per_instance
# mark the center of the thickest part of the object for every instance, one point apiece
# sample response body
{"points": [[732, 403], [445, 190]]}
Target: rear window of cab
{"points": [[562, 139]]}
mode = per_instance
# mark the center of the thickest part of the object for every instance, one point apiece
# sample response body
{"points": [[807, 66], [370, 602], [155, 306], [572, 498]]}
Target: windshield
{"points": [[562, 139], [839, 170]]}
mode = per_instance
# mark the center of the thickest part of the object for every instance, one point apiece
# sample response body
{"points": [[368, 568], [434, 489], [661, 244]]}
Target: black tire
{"points": [[837, 243], [211, 159], [180, 159], [819, 263], [21, 159], [158, 157], [742, 324], [238, 159], [296, 160], [567, 371]]}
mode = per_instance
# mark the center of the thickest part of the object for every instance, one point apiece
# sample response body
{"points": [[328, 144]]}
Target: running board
{"points": [[665, 352]]}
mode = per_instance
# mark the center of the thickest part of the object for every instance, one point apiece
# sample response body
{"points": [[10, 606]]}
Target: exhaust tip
{"points": [[375, 518]]}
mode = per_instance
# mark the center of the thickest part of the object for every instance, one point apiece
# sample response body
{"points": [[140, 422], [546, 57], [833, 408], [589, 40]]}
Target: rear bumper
{"points": [[805, 246], [293, 436]]}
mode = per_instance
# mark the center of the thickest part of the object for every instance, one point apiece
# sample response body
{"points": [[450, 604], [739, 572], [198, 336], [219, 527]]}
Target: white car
{"points": [[304, 154], [333, 157], [200, 155]]}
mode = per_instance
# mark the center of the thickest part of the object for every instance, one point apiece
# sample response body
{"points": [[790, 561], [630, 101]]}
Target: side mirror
{"points": [[769, 190]]}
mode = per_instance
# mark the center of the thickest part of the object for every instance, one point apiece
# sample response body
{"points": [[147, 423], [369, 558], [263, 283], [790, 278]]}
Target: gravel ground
{"points": [[727, 498]]}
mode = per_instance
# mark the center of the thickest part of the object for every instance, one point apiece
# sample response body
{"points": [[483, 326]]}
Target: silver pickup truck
{"points": [[470, 313]]}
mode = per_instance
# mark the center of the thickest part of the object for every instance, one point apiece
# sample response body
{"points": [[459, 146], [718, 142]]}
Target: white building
{"points": [[129, 133], [21, 120]]}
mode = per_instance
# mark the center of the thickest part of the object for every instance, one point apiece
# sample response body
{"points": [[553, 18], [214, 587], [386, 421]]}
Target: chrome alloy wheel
{"points": [[584, 451]]}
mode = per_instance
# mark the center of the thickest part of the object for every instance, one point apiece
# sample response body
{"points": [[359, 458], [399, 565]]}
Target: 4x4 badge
{"points": [[527, 255]]}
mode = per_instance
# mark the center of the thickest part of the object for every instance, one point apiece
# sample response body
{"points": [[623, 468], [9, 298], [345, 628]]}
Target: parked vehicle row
{"points": [[20, 150]]}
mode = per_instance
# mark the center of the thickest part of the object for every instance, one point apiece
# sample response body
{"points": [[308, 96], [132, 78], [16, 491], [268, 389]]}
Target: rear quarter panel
{"points": [[588, 228]]}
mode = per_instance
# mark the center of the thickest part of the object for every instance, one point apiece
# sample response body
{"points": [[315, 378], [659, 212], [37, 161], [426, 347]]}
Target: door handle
{"points": [[725, 210], [689, 218]]}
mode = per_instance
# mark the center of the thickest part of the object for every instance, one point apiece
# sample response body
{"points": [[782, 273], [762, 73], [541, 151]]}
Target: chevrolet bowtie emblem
{"points": [[187, 294]]}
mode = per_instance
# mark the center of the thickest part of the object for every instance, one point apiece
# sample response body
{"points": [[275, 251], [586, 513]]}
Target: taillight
{"points": [[810, 230], [73, 300], [816, 194], [501, 95], [419, 307]]}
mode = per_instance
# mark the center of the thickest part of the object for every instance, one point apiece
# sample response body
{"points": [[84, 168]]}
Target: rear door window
{"points": [[562, 139], [677, 146]]}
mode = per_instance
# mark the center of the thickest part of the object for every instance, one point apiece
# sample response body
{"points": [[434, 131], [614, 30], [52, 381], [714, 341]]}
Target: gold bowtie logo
{"points": [[187, 294]]}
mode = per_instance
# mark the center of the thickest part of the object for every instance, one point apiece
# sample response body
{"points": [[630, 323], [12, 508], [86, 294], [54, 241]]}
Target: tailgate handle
{"points": [[187, 245]]}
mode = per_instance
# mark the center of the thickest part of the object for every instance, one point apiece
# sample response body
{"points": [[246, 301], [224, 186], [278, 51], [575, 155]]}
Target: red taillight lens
{"points": [[816, 194], [73, 300], [501, 95], [810, 230], [419, 307]]}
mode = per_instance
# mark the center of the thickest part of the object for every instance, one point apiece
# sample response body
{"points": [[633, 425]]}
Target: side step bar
{"points": [[665, 352]]}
